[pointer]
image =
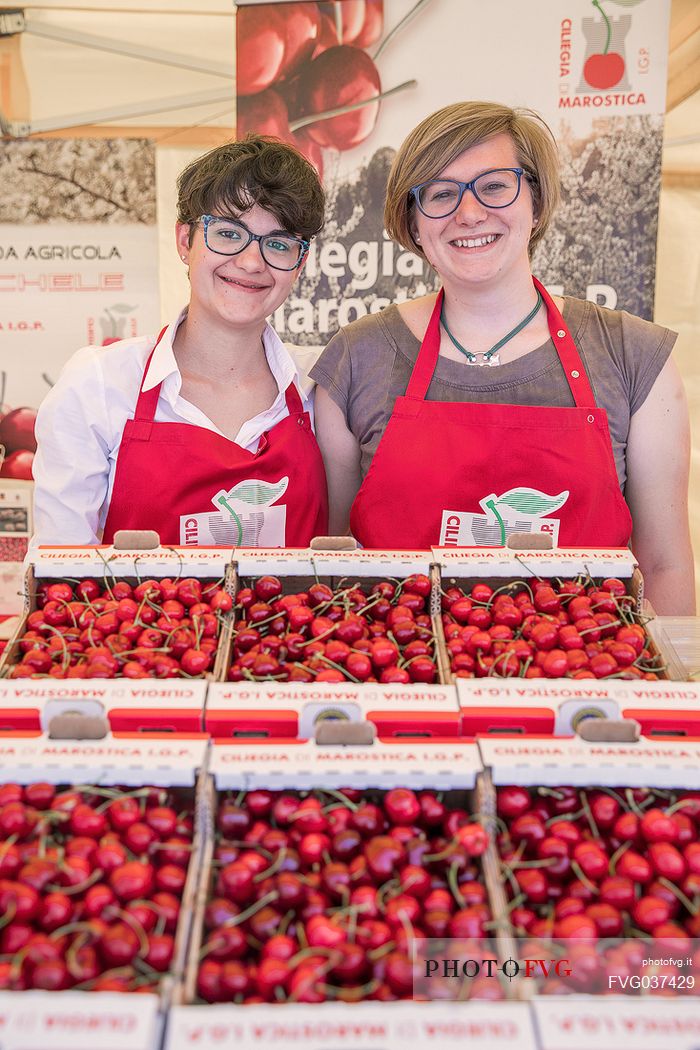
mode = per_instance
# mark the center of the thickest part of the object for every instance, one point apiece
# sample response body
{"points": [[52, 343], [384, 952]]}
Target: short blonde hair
{"points": [[443, 136]]}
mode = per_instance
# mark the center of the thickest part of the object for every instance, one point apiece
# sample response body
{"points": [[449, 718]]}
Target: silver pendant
{"points": [[482, 359]]}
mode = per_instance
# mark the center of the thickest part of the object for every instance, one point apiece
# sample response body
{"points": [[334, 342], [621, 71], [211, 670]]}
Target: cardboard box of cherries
{"points": [[333, 634], [99, 852], [536, 639], [323, 862], [133, 636], [599, 855]]}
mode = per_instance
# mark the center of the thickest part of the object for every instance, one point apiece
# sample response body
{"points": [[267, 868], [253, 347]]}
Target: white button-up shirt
{"points": [[80, 424]]}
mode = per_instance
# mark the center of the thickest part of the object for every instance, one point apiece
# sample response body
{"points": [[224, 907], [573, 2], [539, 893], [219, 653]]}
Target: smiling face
{"points": [[234, 291], [476, 244]]}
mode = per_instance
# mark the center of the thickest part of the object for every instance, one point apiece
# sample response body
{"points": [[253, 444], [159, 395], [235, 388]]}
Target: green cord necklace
{"points": [[489, 357]]}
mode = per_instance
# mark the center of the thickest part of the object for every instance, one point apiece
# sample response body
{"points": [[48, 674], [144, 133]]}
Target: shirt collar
{"points": [[279, 359], [163, 363]]}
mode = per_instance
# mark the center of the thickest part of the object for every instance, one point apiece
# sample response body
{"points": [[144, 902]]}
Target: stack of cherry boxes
{"points": [[363, 731]]}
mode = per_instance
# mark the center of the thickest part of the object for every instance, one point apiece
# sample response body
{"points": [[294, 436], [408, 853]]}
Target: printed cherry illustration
{"points": [[373, 25], [17, 430], [18, 465], [264, 113], [340, 76], [327, 34], [301, 24], [607, 68], [352, 17], [260, 46]]}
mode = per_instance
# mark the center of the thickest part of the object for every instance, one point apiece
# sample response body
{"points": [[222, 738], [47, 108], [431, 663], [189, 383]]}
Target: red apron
{"points": [[196, 487], [456, 474]]}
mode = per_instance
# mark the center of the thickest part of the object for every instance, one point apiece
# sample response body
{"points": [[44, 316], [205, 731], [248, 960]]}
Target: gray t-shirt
{"points": [[367, 365]]}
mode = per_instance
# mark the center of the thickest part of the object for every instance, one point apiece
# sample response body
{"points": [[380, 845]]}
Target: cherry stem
{"points": [[407, 926], [589, 814], [257, 906], [451, 848], [685, 901], [161, 916], [6, 845], [72, 891], [545, 862], [287, 918], [137, 927], [453, 883], [352, 924], [309, 953], [273, 868], [564, 816], [339, 110], [321, 972], [680, 805], [72, 953], [514, 886], [615, 795], [616, 856], [241, 844], [632, 803], [347, 802], [337, 667], [9, 915], [607, 26], [354, 993], [582, 877], [118, 796], [390, 889], [118, 971], [381, 950]]}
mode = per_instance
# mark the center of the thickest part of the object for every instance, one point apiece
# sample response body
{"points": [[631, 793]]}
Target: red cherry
{"points": [[576, 926], [648, 912], [422, 669], [512, 801], [655, 826], [401, 806], [634, 866], [667, 861], [132, 880]]}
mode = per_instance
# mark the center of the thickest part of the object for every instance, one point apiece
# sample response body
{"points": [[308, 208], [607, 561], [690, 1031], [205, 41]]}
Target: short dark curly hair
{"points": [[258, 170]]}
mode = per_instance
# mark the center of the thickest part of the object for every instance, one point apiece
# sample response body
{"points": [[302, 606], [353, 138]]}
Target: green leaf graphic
{"points": [[530, 501], [258, 493]]}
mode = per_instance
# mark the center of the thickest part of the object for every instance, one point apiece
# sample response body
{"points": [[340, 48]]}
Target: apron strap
{"points": [[575, 373], [147, 401], [426, 361], [294, 402]]}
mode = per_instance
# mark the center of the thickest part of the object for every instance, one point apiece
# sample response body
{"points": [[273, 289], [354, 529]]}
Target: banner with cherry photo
{"points": [[78, 265], [346, 81]]}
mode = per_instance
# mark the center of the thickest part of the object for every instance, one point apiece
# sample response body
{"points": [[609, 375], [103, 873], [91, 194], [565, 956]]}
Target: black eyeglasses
{"points": [[230, 236], [497, 188]]}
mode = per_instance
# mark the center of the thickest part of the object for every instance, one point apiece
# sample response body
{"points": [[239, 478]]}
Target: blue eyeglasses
{"points": [[498, 188], [230, 236]]}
